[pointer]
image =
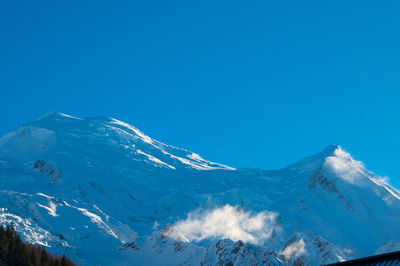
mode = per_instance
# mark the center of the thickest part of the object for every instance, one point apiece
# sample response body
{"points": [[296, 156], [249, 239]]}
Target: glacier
{"points": [[104, 193]]}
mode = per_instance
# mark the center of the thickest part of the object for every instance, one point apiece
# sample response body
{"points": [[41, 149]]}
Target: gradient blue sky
{"points": [[245, 83]]}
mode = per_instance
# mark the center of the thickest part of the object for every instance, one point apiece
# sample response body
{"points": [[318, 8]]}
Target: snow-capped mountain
{"points": [[104, 193]]}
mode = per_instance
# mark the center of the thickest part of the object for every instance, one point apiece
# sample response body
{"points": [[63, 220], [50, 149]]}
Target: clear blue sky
{"points": [[245, 83]]}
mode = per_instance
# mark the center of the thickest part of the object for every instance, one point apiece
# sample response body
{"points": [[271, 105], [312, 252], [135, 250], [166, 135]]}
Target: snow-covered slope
{"points": [[105, 193]]}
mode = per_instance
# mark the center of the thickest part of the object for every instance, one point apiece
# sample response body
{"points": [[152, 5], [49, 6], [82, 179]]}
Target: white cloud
{"points": [[353, 171], [344, 166], [294, 249], [226, 222]]}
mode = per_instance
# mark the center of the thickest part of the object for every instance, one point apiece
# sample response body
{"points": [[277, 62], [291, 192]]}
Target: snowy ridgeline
{"points": [[103, 192]]}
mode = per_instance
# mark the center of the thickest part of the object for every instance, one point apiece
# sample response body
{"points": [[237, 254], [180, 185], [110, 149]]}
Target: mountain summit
{"points": [[99, 134], [90, 186]]}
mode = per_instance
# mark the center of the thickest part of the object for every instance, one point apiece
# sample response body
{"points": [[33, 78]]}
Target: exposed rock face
{"points": [[130, 245], [318, 178], [228, 252], [54, 173]]}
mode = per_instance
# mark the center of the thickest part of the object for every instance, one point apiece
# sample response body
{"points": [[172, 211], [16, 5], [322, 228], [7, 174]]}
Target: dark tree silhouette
{"points": [[13, 251]]}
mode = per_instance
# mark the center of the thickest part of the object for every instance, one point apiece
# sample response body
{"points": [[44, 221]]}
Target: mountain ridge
{"points": [[100, 180]]}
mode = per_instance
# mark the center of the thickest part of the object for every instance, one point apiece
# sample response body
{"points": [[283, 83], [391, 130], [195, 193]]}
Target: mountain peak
{"points": [[54, 131], [56, 115], [330, 149], [317, 160]]}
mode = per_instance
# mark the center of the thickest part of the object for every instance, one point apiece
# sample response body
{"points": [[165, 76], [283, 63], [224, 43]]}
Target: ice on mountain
{"points": [[119, 187]]}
